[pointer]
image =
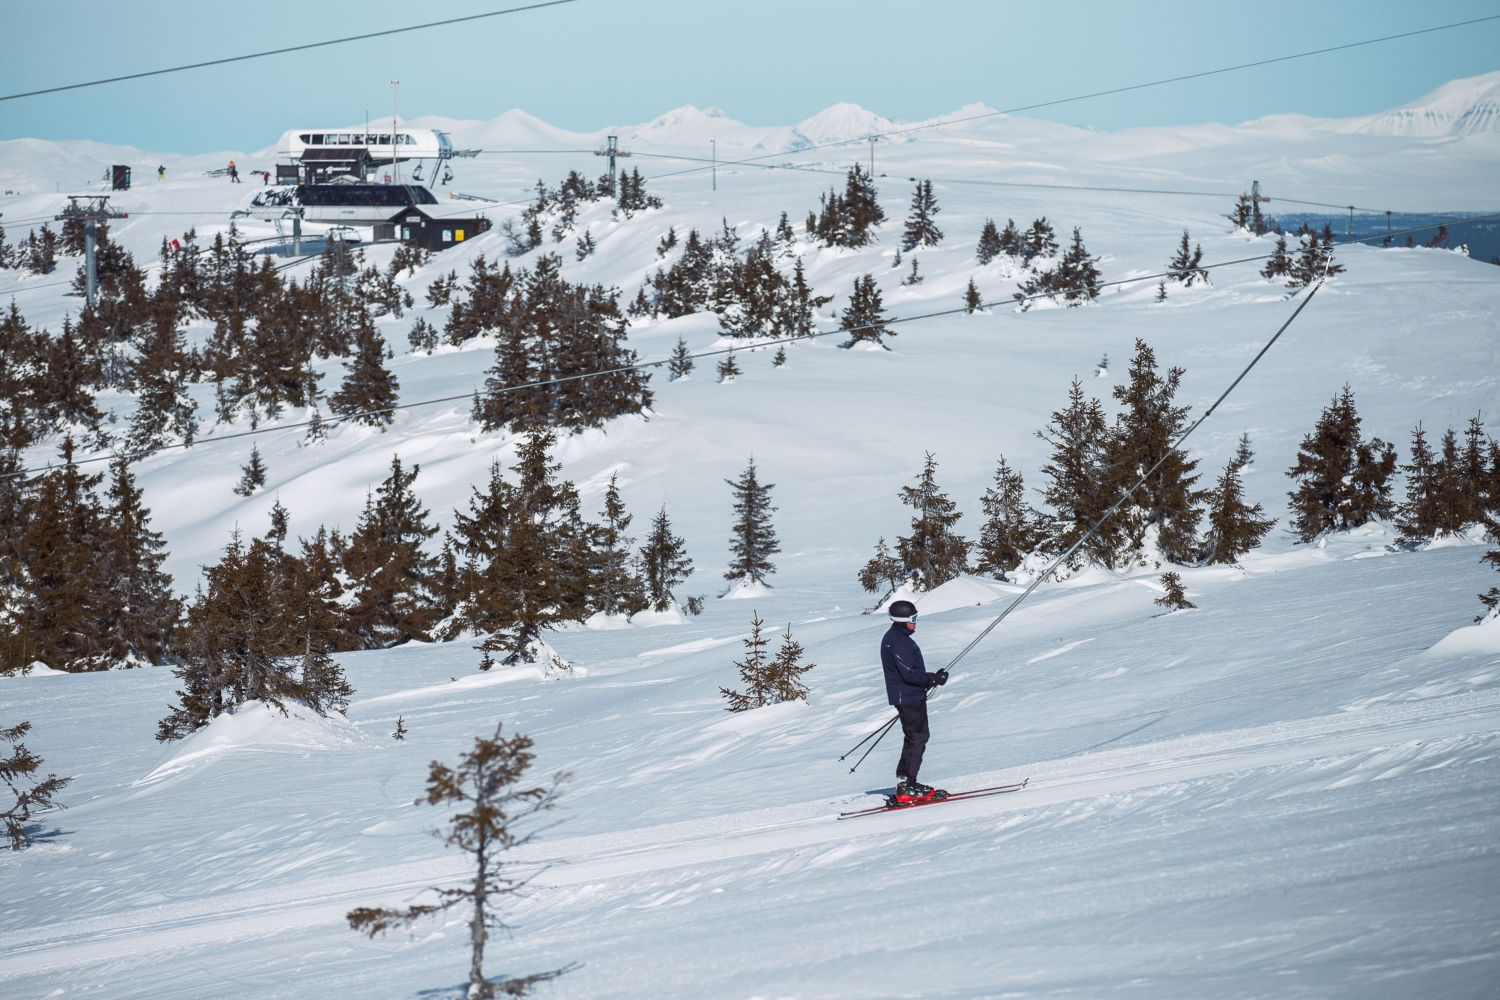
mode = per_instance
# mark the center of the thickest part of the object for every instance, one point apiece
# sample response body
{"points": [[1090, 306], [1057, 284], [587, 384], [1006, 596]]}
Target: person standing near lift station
{"points": [[906, 685]]}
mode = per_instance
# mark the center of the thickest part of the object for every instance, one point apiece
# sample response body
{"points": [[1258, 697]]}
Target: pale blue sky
{"points": [[595, 63]]}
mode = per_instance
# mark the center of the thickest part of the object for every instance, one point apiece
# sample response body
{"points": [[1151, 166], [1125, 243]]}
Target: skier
{"points": [[906, 685], [161, 171], [234, 174]]}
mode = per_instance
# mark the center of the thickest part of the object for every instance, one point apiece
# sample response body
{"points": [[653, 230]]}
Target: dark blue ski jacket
{"points": [[906, 676]]}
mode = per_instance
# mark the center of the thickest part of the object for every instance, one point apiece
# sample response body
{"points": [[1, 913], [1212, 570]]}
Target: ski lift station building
{"points": [[323, 154]]}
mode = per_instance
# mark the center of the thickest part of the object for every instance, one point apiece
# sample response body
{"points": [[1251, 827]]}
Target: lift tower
{"points": [[90, 208]]}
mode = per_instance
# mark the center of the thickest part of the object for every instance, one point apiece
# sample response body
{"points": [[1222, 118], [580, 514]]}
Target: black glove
{"points": [[940, 678]]}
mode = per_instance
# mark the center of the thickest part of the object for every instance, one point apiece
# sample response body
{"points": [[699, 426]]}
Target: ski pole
{"points": [[883, 730], [873, 735]]}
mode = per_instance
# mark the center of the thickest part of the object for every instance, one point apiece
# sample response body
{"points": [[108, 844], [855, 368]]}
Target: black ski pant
{"points": [[914, 743]]}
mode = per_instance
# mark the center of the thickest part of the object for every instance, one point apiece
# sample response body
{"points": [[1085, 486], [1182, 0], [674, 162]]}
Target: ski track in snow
{"points": [[1092, 777]]}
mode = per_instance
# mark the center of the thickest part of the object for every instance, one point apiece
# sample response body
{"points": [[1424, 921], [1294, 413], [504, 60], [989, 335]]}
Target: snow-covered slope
{"points": [[1290, 791]]}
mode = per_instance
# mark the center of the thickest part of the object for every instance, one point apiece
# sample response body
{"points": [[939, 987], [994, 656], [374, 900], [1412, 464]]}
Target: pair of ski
{"points": [[973, 793]]}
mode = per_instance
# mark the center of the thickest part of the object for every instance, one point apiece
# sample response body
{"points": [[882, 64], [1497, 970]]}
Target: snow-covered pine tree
{"points": [[1038, 241], [486, 788], [667, 243], [798, 308], [1343, 481], [1234, 527], [921, 225], [253, 474], [1417, 517], [30, 795], [779, 358], [786, 237], [753, 541], [586, 246], [864, 319], [423, 337], [728, 368], [664, 563], [787, 669], [1187, 266], [1149, 422], [160, 376], [914, 278], [1240, 216], [1080, 481], [1480, 493], [369, 390], [1279, 264], [681, 362], [1076, 277], [990, 246], [615, 588], [252, 635], [1011, 528], [972, 299], [1012, 244], [529, 556], [861, 209], [1161, 291], [933, 553], [883, 573], [1174, 598], [391, 575], [140, 609], [753, 672]]}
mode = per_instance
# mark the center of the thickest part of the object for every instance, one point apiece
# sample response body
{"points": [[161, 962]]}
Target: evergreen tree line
{"points": [[265, 334], [521, 559], [545, 329], [82, 586], [748, 291], [556, 209], [1071, 278], [1341, 481], [36, 254], [1312, 260]]}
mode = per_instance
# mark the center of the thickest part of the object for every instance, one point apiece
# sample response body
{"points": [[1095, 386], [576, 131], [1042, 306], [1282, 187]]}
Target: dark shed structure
{"points": [[415, 226]]}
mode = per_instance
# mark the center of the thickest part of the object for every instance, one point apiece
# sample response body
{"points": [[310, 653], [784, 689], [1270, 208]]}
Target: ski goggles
{"points": [[912, 619]]}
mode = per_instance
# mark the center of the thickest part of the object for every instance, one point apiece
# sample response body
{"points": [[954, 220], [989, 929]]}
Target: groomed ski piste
{"points": [[1292, 790]]}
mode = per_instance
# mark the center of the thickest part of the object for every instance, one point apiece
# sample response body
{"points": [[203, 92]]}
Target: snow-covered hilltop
{"points": [[1291, 789]]}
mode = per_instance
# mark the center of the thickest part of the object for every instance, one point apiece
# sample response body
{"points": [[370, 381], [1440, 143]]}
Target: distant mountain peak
{"points": [[1466, 106]]}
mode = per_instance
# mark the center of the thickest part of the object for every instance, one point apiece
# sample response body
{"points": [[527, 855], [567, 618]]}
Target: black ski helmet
{"points": [[903, 611]]}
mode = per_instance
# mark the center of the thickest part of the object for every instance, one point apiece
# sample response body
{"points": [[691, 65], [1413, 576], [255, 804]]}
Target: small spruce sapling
{"points": [[753, 672], [681, 362], [254, 474], [400, 733], [1173, 597], [486, 788], [31, 796], [728, 368], [972, 300]]}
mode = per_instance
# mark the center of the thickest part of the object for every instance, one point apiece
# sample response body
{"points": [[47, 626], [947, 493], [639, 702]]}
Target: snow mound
{"points": [[963, 592], [256, 727], [746, 589], [1482, 639], [759, 719]]}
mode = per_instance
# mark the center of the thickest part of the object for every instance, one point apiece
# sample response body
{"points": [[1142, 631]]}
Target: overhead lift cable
{"points": [[643, 365], [282, 51]]}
